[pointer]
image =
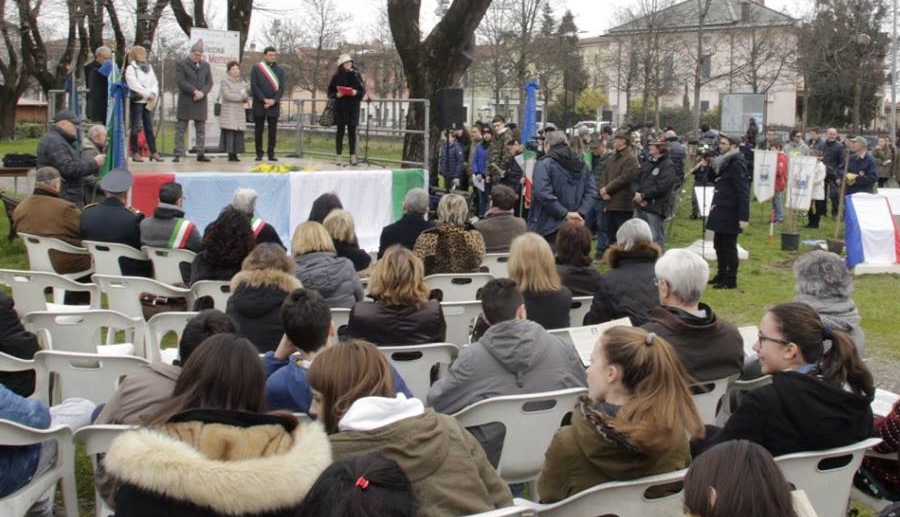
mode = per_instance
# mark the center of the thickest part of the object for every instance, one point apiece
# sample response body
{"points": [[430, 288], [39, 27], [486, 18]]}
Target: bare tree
{"points": [[324, 28], [763, 55], [495, 37]]}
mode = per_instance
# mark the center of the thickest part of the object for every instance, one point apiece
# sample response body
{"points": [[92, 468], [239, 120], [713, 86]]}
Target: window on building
{"points": [[706, 66], [704, 106]]}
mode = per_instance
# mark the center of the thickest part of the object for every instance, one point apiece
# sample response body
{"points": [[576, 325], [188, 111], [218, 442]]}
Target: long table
{"points": [[374, 197]]}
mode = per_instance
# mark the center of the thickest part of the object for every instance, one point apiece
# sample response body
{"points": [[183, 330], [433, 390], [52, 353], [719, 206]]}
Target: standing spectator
{"points": [[452, 246], [514, 176], [818, 208], [596, 220], [862, 171], [702, 173], [730, 211], [781, 172], [144, 89], [464, 139], [796, 146], [267, 85], [622, 170], [883, 155], [515, 356], [233, 94], [833, 157], [194, 79], [479, 171], [451, 163], [564, 188], [653, 191], [339, 224], [499, 155], [709, 347], [711, 137], [531, 265], [573, 260], [226, 243], [347, 88], [474, 142], [97, 86], [627, 289], [677, 154], [752, 132], [93, 144], [815, 141], [414, 221], [320, 269], [57, 149], [168, 228], [244, 200], [500, 225]]}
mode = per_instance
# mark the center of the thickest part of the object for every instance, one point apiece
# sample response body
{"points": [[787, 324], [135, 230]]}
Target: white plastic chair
{"points": [[459, 317], [106, 256], [38, 249], [219, 291], [414, 363], [739, 385], [167, 262], [619, 499], [581, 305], [530, 422], [496, 264], [28, 290], [828, 489], [91, 376], [459, 287], [123, 293], [18, 503], [707, 396], [96, 440], [509, 511], [749, 334], [157, 328], [584, 338], [82, 331], [340, 317]]}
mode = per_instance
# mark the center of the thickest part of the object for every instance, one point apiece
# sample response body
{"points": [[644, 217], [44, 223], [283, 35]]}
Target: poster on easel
{"points": [[764, 163], [219, 47], [801, 170]]}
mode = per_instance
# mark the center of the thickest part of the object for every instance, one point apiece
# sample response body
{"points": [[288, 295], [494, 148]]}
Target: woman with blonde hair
{"points": [[319, 268], [452, 246], [532, 266], [144, 93], [354, 399], [340, 226], [401, 314], [257, 292], [635, 421]]}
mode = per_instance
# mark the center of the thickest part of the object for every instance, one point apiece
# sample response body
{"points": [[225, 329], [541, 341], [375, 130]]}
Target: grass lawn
{"points": [[764, 280]]}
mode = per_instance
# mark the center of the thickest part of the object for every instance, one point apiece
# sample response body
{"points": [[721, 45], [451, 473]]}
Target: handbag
{"points": [[152, 304], [217, 109], [326, 119], [248, 115]]}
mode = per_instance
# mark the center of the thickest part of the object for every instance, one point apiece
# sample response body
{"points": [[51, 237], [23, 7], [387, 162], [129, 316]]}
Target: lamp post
{"points": [[894, 73], [145, 22]]}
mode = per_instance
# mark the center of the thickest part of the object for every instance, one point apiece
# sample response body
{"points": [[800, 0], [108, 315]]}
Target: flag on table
{"points": [[801, 170], [115, 117], [764, 163], [871, 233]]}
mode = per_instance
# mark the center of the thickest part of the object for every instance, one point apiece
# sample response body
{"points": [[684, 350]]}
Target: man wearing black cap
{"points": [[57, 149], [194, 84], [653, 190], [730, 211], [111, 220], [621, 170]]}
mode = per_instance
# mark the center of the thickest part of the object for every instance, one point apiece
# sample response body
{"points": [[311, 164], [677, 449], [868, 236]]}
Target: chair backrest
{"points": [[414, 363], [9, 206], [167, 262], [218, 290], [28, 290], [91, 376], [623, 499], [748, 337], [340, 317], [883, 402], [459, 317], [83, 331], [106, 256], [96, 440], [123, 293], [157, 328], [826, 483], [11, 363], [496, 264], [63, 469], [38, 250], [530, 422], [584, 338], [581, 305], [707, 396], [509, 511], [459, 287]]}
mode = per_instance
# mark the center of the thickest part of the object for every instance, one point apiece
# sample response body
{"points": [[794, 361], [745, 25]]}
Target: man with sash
{"points": [[168, 228], [244, 200], [267, 85], [194, 79]]}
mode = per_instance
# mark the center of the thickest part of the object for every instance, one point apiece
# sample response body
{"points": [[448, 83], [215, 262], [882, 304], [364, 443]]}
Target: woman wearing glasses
{"points": [[819, 397]]}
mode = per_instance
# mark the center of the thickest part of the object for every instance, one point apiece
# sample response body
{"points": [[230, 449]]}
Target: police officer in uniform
{"points": [[111, 220]]}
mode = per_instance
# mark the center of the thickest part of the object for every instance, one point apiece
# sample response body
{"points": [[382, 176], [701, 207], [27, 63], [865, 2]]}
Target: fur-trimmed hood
{"points": [[265, 278], [235, 468], [641, 252]]}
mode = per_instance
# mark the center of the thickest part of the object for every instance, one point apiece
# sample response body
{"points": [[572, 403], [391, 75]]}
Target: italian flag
{"points": [[526, 161]]}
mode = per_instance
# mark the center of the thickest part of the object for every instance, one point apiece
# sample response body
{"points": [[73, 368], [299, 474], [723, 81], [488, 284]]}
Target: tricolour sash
{"points": [[269, 74], [257, 225], [181, 232]]}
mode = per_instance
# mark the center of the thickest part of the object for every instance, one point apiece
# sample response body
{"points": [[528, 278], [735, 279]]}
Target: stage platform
{"points": [[220, 163]]}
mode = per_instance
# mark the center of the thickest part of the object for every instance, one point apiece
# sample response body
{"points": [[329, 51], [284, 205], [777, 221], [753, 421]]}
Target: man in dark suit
{"points": [[97, 85], [111, 220], [267, 86], [414, 221], [194, 79]]}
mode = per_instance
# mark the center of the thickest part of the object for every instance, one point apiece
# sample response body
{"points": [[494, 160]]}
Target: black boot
{"points": [[715, 280]]}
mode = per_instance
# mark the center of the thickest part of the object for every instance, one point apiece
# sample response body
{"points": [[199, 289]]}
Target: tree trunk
{"points": [[239, 13], [8, 99]]}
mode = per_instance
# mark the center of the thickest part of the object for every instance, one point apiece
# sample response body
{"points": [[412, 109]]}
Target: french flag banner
{"points": [[871, 233]]}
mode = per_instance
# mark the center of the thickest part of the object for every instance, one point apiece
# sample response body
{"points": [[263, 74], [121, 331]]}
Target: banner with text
{"points": [[801, 170], [764, 163]]}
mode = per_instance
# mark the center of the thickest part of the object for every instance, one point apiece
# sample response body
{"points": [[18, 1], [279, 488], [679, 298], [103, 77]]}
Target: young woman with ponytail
{"points": [[635, 421], [820, 392]]}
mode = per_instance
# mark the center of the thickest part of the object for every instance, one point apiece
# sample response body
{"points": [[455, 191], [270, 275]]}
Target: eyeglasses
{"points": [[762, 337]]}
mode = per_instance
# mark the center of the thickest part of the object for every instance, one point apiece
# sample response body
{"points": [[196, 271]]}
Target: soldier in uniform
{"points": [[111, 220]]}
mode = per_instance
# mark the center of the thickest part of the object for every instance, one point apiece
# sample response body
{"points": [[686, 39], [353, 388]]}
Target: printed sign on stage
{"points": [[219, 47]]}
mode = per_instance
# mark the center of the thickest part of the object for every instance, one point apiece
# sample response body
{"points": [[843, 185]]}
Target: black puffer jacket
{"points": [[17, 342], [628, 289], [398, 325], [255, 304]]}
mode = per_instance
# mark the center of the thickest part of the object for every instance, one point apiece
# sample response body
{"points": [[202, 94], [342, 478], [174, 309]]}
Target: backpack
{"points": [[19, 160]]}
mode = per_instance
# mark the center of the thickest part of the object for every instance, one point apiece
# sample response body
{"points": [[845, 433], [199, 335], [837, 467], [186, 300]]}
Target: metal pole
{"points": [[894, 73], [427, 136], [300, 112]]}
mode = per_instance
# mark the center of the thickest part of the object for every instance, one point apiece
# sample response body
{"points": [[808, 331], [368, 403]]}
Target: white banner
{"points": [[219, 47], [801, 171], [704, 197], [764, 164]]}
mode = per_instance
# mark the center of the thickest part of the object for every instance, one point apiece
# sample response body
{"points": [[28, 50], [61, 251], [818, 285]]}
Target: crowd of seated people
{"points": [[217, 436]]}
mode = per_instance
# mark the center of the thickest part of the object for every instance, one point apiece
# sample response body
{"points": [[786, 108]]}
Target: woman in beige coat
{"points": [[233, 94]]}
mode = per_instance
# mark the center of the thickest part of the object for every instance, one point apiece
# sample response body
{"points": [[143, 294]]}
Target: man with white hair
{"points": [[244, 200], [406, 230], [97, 86], [710, 348]]}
